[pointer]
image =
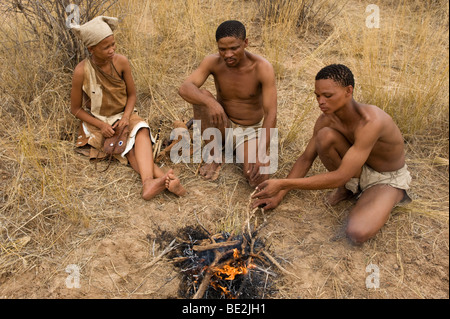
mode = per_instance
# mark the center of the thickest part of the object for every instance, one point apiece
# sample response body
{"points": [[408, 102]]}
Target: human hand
{"points": [[269, 202], [268, 188], [124, 121], [254, 172], [107, 130], [217, 116], [255, 169]]}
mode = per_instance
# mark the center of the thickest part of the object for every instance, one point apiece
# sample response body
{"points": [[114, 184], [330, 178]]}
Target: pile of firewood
{"points": [[225, 265]]}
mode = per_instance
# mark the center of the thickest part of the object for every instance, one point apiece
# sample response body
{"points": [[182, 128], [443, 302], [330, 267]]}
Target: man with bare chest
{"points": [[246, 98], [363, 151]]}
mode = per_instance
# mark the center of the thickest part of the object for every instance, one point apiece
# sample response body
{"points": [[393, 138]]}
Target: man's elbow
{"points": [[182, 90]]}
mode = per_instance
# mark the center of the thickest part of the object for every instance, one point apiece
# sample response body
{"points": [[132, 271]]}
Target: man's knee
{"points": [[358, 234], [326, 138], [200, 113], [143, 131]]}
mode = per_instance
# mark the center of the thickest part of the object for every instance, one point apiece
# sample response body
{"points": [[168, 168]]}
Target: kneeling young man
{"points": [[361, 147]]}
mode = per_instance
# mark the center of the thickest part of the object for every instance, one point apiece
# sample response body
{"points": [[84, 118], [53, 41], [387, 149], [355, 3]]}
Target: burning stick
{"points": [[209, 273], [226, 264], [216, 245], [203, 227]]}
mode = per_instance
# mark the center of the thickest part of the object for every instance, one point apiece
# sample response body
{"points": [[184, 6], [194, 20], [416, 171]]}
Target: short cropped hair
{"points": [[339, 73], [231, 28]]}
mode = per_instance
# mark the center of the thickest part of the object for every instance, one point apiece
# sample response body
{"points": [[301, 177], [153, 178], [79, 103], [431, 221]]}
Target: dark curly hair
{"points": [[231, 28], [339, 73]]}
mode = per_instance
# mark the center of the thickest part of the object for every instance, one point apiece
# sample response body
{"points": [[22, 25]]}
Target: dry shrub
{"points": [[47, 22]]}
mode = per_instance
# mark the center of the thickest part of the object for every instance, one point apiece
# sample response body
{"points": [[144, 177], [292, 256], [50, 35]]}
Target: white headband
{"points": [[94, 31]]}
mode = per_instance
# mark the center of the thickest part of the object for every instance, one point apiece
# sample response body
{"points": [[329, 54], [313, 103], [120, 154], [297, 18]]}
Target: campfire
{"points": [[224, 265]]}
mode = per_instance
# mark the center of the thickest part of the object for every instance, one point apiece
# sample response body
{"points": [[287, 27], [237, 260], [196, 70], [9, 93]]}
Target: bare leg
{"points": [[213, 164], [248, 157], [338, 195], [210, 169], [331, 147], [372, 211], [141, 160]]}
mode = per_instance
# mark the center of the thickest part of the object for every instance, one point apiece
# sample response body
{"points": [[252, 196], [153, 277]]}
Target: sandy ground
{"points": [[410, 254]]}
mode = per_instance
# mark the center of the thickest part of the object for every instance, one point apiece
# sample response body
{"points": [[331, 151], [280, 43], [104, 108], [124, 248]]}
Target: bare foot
{"points": [[338, 196], [210, 170], [173, 184], [153, 186]]}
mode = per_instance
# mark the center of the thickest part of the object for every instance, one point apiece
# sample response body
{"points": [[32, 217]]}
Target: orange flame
{"points": [[231, 271], [224, 289], [237, 267]]}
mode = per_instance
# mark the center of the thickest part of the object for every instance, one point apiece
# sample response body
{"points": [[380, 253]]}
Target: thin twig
{"points": [[155, 260], [115, 270], [118, 290], [279, 266]]}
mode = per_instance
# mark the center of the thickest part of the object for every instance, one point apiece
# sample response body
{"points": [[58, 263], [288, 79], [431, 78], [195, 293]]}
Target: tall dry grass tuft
{"points": [[284, 21], [402, 67], [43, 183]]}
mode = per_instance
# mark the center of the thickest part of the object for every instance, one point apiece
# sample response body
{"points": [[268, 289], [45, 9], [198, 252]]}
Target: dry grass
{"points": [[49, 195]]}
